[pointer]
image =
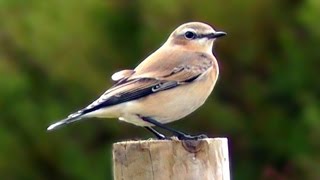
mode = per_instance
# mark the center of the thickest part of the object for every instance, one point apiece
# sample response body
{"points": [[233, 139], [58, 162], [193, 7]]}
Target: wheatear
{"points": [[168, 85]]}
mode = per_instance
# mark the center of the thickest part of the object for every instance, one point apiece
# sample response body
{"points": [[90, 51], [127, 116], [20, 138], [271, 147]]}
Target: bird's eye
{"points": [[190, 35]]}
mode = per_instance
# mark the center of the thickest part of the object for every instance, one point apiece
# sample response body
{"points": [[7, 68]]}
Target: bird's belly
{"points": [[170, 105]]}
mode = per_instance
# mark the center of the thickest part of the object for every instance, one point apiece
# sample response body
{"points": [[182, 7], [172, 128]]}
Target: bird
{"points": [[168, 85]]}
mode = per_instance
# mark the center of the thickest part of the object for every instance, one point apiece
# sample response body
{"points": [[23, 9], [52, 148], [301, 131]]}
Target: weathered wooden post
{"points": [[205, 159]]}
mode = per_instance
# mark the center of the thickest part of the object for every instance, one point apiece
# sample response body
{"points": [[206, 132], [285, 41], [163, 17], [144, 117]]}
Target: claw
{"points": [[183, 136]]}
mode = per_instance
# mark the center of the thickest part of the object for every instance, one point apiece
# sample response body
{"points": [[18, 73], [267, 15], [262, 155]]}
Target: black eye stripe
{"points": [[201, 36]]}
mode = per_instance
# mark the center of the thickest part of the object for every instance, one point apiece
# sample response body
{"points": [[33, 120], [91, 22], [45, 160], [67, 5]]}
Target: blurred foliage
{"points": [[57, 56]]}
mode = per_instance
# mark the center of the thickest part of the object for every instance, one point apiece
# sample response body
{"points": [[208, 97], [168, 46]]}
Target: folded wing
{"points": [[136, 85]]}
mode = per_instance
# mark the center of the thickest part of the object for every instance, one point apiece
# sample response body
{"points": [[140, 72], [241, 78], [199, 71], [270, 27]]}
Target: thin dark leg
{"points": [[156, 133], [179, 134]]}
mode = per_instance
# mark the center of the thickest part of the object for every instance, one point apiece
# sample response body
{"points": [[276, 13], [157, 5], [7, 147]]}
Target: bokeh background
{"points": [[57, 56]]}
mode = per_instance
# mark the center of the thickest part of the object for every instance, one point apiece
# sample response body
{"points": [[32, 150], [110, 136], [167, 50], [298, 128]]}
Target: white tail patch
{"points": [[55, 125], [72, 118]]}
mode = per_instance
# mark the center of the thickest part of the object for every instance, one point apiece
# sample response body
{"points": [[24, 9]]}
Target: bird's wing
{"points": [[130, 90], [140, 86]]}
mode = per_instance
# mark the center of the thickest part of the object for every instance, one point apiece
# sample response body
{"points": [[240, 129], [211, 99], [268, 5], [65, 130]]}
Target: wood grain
{"points": [[204, 159]]}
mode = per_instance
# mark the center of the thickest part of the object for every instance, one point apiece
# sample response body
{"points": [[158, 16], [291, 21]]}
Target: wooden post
{"points": [[205, 159]]}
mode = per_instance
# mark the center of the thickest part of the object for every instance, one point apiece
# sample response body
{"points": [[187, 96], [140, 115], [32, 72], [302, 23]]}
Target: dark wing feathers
{"points": [[129, 89], [146, 87]]}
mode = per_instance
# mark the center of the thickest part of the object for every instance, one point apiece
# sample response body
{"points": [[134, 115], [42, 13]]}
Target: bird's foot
{"points": [[183, 136]]}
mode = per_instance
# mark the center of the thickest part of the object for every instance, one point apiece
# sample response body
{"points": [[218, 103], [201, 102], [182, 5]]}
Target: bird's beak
{"points": [[216, 34]]}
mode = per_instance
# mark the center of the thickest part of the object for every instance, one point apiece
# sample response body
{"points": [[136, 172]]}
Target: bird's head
{"points": [[194, 36]]}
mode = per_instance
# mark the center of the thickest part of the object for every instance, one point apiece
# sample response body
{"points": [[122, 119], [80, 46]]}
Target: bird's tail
{"points": [[71, 118]]}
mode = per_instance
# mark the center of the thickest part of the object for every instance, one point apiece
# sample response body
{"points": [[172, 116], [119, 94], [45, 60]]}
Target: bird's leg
{"points": [[156, 133], [179, 134]]}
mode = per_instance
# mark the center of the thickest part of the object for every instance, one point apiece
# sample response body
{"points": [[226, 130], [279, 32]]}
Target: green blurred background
{"points": [[57, 56]]}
